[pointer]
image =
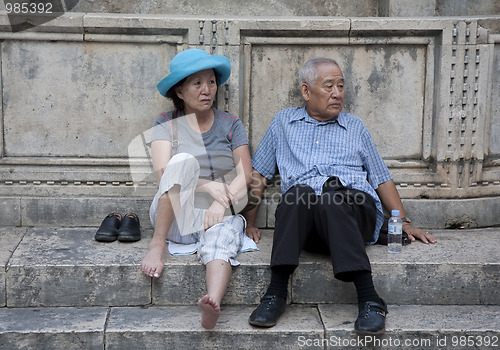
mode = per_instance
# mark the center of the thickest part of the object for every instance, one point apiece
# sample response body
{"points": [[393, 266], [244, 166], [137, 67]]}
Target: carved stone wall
{"points": [[79, 92]]}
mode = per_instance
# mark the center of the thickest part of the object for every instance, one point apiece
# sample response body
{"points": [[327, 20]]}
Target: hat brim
{"points": [[220, 64]]}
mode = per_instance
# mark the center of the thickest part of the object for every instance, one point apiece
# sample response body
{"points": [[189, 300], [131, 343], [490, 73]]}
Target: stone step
{"points": [[67, 267], [324, 326]]}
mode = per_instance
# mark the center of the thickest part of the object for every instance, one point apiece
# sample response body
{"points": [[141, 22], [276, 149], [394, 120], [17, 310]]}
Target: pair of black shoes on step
{"points": [[371, 316], [114, 227]]}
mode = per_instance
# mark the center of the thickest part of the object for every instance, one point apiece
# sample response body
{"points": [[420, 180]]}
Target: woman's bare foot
{"points": [[154, 261], [210, 312]]}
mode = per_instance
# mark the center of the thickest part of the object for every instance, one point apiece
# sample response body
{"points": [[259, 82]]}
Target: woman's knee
{"points": [[222, 241]]}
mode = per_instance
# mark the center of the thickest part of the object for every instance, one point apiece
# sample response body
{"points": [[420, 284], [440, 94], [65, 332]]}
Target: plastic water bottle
{"points": [[395, 231]]}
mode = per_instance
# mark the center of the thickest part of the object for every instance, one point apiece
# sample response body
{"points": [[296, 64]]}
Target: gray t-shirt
{"points": [[213, 149]]}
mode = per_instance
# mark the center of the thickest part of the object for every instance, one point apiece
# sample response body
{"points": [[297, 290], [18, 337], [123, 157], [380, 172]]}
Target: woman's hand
{"points": [[415, 232], [220, 192], [214, 215], [253, 232]]}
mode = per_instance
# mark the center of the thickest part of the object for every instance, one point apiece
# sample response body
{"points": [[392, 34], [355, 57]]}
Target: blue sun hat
{"points": [[191, 61]]}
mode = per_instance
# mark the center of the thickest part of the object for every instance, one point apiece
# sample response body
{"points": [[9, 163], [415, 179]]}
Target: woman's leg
{"points": [[217, 249], [154, 261], [176, 190], [218, 275]]}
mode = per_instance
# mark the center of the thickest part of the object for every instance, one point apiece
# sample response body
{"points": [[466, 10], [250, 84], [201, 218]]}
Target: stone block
{"points": [[80, 211], [35, 23], [462, 261], [9, 239], [453, 213], [179, 327], [52, 328], [11, 211], [494, 132], [67, 267], [184, 281], [467, 8], [414, 327], [406, 8], [334, 8]]}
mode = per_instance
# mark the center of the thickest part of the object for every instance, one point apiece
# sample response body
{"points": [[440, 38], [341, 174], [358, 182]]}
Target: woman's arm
{"points": [[232, 192], [239, 186], [161, 152]]}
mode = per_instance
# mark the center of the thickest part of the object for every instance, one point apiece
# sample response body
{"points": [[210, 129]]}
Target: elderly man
{"points": [[333, 184]]}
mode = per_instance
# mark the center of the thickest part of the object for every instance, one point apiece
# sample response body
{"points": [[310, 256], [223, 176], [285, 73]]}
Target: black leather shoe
{"points": [[108, 231], [268, 312], [371, 317], [130, 229]]}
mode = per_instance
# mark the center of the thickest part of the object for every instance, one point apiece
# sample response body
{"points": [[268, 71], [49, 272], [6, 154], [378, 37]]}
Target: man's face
{"points": [[325, 99]]}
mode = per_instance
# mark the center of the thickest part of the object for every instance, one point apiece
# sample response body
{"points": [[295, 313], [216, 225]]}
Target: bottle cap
{"points": [[395, 212]]}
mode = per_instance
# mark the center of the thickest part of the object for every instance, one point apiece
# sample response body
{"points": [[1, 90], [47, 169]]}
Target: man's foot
{"points": [[154, 261], [268, 312], [371, 317], [210, 312]]}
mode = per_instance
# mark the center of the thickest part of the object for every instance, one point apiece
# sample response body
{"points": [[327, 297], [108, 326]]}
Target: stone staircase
{"points": [[60, 289]]}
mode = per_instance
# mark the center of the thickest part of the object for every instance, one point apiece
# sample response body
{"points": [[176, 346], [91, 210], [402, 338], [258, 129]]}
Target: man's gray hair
{"points": [[309, 71]]}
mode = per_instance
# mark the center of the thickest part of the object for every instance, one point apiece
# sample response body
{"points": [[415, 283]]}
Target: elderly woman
{"points": [[203, 166]]}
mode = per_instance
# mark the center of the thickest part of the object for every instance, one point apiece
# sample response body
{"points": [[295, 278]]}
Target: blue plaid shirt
{"points": [[307, 151]]}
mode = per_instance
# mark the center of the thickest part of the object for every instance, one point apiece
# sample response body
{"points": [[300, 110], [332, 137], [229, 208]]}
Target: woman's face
{"points": [[198, 91]]}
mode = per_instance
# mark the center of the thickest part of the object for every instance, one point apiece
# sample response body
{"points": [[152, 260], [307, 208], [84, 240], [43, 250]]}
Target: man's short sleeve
{"points": [[264, 159], [378, 172]]}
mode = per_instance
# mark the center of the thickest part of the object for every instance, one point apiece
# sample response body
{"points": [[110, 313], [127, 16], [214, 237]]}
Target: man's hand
{"points": [[414, 232], [253, 232]]}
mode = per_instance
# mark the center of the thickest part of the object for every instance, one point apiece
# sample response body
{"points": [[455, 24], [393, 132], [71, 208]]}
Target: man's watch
{"points": [[405, 219]]}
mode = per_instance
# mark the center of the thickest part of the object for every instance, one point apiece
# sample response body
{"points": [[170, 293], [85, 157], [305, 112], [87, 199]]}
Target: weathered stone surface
{"points": [[415, 327], [71, 269], [464, 261], [11, 211], [67, 267], [9, 239], [52, 328], [467, 8], [325, 326], [461, 213], [80, 211], [184, 282], [342, 8], [179, 327], [494, 134], [100, 96], [373, 74], [406, 8], [424, 86]]}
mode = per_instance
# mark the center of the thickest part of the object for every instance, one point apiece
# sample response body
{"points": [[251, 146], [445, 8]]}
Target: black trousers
{"points": [[338, 223]]}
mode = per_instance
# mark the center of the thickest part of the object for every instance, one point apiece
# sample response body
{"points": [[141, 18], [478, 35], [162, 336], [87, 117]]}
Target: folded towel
{"points": [[188, 249]]}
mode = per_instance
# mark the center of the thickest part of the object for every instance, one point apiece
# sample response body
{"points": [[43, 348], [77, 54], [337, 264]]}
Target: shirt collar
{"points": [[302, 115]]}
